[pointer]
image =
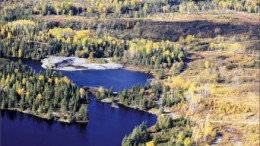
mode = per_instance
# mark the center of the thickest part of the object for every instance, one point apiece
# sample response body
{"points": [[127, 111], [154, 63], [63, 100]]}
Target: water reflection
{"points": [[107, 125], [21, 117], [117, 79], [12, 116]]}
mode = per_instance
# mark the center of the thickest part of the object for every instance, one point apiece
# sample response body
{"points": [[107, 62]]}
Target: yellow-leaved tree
{"points": [[41, 77], [39, 96], [82, 92], [150, 143], [20, 91]]}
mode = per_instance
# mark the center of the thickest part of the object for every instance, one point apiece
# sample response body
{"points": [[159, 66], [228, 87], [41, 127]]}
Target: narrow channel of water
{"points": [[107, 125]]}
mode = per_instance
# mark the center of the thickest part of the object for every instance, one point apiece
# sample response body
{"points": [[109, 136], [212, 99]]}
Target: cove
{"points": [[117, 79], [107, 125]]}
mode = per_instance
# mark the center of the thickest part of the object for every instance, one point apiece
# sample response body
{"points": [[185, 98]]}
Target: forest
{"points": [[203, 55], [142, 98], [122, 9], [48, 95], [175, 131], [29, 39]]}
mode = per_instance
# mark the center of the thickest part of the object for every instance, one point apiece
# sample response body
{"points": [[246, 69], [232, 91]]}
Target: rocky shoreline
{"points": [[75, 64]]}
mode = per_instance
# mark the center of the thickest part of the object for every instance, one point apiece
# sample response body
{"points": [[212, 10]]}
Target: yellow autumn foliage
{"points": [[22, 24], [41, 77], [150, 143], [39, 96], [20, 91]]}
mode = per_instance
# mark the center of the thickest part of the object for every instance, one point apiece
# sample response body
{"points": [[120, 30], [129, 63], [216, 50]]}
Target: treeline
{"points": [[11, 12], [155, 54], [251, 6], [139, 135], [37, 40], [175, 132], [21, 39], [47, 94], [125, 8], [30, 39], [139, 97]]}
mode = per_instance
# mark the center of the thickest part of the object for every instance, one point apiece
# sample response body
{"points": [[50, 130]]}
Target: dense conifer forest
{"points": [[48, 95], [203, 55]]}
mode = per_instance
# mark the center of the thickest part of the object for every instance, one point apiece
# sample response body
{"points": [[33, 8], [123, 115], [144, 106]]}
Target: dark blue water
{"points": [[107, 125], [117, 79]]}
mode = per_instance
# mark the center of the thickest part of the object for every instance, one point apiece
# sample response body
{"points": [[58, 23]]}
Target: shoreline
{"points": [[43, 117], [140, 69], [109, 100], [80, 64], [77, 64], [126, 67], [152, 111]]}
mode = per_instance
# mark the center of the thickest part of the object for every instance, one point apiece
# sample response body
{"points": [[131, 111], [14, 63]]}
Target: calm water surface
{"points": [[107, 125], [117, 79]]}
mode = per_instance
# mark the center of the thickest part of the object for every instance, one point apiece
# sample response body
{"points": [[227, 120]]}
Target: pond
{"points": [[107, 125]]}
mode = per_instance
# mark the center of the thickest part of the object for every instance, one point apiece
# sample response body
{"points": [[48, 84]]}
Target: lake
{"points": [[107, 125], [117, 79]]}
